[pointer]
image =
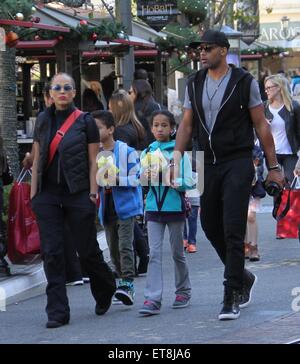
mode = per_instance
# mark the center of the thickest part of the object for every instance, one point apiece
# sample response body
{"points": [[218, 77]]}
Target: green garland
{"points": [[269, 51], [196, 10], [106, 30], [180, 40], [9, 8]]}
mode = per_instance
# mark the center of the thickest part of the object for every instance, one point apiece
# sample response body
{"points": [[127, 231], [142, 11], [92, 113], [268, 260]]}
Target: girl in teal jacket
{"points": [[165, 206]]}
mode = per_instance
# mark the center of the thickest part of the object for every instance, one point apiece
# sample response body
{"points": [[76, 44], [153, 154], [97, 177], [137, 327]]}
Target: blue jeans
{"points": [[192, 222]]}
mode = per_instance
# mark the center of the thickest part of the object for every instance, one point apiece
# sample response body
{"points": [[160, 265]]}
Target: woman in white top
{"points": [[284, 116]]}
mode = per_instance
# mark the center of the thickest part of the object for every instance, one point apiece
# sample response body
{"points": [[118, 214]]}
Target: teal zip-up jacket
{"points": [[173, 201]]}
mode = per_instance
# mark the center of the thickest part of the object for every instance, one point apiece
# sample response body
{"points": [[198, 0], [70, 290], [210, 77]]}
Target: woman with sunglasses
{"points": [[64, 191], [284, 116]]}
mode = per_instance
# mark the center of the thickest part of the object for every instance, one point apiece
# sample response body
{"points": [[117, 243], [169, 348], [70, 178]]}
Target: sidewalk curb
{"points": [[16, 287]]}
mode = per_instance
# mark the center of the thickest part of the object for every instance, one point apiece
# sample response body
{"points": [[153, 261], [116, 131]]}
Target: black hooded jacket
{"points": [[232, 136]]}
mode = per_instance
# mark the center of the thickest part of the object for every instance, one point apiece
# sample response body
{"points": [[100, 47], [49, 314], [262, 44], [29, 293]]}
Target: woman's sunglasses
{"points": [[66, 88]]}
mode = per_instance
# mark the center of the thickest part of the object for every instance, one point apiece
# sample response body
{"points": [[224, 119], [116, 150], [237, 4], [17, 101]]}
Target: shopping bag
{"points": [[23, 232], [288, 213]]}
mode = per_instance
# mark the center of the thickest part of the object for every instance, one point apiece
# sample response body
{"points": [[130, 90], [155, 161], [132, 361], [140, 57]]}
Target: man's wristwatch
{"points": [[274, 168], [93, 195]]}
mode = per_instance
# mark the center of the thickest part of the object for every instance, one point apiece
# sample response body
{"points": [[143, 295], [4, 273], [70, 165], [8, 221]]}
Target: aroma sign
{"points": [[158, 13]]}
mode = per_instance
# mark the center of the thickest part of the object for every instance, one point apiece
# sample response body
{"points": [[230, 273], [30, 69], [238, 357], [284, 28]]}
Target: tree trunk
{"points": [[8, 109]]}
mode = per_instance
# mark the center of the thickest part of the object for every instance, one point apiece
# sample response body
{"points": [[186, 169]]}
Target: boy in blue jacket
{"points": [[165, 206], [120, 202]]}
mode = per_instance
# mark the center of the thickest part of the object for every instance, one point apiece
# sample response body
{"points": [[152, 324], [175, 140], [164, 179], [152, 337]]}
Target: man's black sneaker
{"points": [[250, 280], [230, 310], [102, 307]]}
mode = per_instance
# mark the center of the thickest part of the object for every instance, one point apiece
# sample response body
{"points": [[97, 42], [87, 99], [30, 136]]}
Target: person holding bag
{"points": [[64, 191]]}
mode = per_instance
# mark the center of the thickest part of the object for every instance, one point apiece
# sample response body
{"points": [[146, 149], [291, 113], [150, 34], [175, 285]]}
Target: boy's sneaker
{"points": [[125, 292], [115, 301], [150, 308], [181, 301], [246, 293]]}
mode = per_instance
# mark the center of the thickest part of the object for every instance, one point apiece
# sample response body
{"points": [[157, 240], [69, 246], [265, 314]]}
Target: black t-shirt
{"points": [[128, 134], [54, 175]]}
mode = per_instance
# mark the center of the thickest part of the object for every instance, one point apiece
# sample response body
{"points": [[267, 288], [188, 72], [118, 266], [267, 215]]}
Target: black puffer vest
{"points": [[73, 151], [232, 135]]}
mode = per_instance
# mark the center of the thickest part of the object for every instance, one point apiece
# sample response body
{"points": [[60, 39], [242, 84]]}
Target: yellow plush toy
{"points": [[107, 171]]}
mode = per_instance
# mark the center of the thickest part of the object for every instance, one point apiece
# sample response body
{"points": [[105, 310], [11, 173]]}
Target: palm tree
{"points": [[8, 110]]}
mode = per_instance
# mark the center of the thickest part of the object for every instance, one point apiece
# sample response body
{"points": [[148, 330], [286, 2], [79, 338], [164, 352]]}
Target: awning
{"points": [[29, 24], [138, 53], [132, 41], [37, 44]]}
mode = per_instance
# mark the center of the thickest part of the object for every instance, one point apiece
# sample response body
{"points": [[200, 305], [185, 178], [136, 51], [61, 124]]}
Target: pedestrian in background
{"points": [[144, 104], [257, 192], [128, 128], [283, 113], [64, 191]]}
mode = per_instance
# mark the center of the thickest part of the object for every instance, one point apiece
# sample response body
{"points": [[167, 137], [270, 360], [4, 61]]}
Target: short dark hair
{"points": [[140, 74], [106, 117], [46, 90], [166, 113]]}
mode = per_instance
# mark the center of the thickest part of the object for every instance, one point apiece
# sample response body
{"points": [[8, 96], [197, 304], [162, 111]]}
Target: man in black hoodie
{"points": [[222, 106]]}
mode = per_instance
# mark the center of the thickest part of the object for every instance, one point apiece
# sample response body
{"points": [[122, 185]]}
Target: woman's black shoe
{"points": [[52, 324]]}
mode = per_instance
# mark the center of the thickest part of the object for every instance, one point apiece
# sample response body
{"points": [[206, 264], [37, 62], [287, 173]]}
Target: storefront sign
{"points": [[157, 13]]}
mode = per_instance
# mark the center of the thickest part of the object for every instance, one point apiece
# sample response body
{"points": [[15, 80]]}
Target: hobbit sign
{"points": [[157, 13]]}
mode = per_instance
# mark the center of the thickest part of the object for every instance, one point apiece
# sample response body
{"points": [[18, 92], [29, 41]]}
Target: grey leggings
{"points": [[154, 284]]}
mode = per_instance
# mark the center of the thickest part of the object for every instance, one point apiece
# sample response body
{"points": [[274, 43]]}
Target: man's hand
{"points": [[277, 177]]}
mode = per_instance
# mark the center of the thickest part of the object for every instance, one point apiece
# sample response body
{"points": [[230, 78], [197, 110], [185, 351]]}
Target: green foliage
{"points": [[9, 8], [269, 51], [180, 40], [106, 30], [177, 65], [196, 10]]}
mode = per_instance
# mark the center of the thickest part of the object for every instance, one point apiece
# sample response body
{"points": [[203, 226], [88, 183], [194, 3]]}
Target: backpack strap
{"points": [[61, 133]]}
